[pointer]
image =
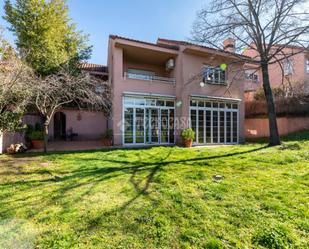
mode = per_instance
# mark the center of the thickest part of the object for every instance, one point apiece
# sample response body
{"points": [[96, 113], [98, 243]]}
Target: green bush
{"points": [[188, 134], [213, 243], [38, 127], [274, 237], [36, 135]]}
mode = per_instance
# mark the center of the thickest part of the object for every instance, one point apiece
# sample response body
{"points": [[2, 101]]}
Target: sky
{"points": [[137, 19]]}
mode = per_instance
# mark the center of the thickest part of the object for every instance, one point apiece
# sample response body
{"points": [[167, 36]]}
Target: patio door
{"points": [[152, 126], [148, 124], [215, 122]]}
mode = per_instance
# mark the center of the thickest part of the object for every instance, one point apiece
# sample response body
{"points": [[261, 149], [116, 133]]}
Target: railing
{"points": [[214, 75], [149, 77]]}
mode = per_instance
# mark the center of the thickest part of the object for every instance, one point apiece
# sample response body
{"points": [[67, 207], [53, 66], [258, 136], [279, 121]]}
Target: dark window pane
{"points": [[201, 126], [128, 125], [170, 103], [139, 125], [171, 125]]}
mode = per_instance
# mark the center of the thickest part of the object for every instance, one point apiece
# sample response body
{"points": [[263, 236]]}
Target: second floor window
{"points": [[288, 67], [140, 74], [307, 65], [253, 77], [214, 75]]}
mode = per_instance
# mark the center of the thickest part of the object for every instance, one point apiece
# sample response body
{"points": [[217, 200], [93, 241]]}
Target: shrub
{"points": [[38, 127], [188, 134], [213, 243], [36, 135], [274, 237]]}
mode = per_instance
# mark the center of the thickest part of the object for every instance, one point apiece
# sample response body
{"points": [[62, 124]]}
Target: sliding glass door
{"points": [[148, 121], [214, 122]]}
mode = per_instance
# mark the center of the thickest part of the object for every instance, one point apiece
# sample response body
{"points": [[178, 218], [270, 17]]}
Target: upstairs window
{"points": [[253, 77], [288, 67], [307, 65], [214, 75], [140, 74]]}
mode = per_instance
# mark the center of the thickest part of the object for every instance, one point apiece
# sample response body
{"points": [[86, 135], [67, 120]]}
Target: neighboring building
{"points": [[156, 93], [292, 70], [158, 89]]}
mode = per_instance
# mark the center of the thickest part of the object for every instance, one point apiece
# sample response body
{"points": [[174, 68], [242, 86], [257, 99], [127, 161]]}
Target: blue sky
{"points": [[138, 19]]}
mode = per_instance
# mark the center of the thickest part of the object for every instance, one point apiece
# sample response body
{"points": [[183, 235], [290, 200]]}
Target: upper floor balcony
{"points": [[149, 64], [138, 74]]}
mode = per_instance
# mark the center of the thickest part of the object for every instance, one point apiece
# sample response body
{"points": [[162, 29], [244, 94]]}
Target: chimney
{"points": [[229, 45]]}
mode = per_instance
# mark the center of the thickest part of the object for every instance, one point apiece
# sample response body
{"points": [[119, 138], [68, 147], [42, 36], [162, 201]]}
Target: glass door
{"points": [[153, 125]]}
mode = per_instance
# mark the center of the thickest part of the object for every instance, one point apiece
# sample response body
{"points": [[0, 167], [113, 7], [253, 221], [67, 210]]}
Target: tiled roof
{"points": [[96, 68], [185, 43], [147, 43]]}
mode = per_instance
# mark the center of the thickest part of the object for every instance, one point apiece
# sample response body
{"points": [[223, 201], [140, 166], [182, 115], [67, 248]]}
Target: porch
{"points": [[73, 146]]}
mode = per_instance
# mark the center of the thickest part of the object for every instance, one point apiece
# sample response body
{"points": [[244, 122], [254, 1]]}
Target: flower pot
{"points": [[37, 144], [188, 143], [107, 142]]}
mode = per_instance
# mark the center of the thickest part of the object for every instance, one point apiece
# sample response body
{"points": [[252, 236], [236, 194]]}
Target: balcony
{"points": [[148, 77]]}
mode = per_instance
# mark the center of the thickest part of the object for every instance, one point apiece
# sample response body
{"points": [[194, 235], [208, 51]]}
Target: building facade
{"points": [[292, 70], [159, 89]]}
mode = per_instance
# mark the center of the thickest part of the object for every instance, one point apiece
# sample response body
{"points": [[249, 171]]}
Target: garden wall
{"points": [[258, 127]]}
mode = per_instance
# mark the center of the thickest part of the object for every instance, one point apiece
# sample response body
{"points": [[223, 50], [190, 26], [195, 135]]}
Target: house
{"points": [[293, 69], [159, 89]]}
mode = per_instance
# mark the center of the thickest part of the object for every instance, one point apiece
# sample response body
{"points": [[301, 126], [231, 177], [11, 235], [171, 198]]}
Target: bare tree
{"points": [[79, 90], [267, 27], [14, 92]]}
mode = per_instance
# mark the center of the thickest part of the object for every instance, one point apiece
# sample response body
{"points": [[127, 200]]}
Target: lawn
{"points": [[162, 197]]}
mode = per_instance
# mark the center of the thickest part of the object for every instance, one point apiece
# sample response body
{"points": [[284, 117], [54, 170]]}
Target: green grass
{"points": [[162, 197]]}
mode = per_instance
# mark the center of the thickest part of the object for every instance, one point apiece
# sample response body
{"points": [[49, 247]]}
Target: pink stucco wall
{"points": [[87, 124], [189, 61], [258, 127], [275, 72]]}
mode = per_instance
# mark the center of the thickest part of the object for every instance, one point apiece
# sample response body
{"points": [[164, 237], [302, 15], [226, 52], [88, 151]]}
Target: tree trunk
{"points": [[274, 138], [45, 136]]}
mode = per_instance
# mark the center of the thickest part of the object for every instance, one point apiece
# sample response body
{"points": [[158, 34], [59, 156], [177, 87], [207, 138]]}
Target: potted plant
{"points": [[187, 137], [108, 138], [37, 139]]}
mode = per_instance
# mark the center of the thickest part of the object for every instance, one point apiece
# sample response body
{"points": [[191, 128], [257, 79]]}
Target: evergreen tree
{"points": [[46, 37]]}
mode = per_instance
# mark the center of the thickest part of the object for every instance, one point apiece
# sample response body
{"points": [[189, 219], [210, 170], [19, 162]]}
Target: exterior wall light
{"points": [[202, 84], [179, 103]]}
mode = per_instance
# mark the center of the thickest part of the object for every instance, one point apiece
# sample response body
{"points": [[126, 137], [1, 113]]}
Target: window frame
{"points": [[215, 71]]}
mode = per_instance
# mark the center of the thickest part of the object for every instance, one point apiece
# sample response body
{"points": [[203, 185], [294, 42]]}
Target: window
{"points": [[148, 121], [307, 65], [253, 77], [216, 122], [288, 67], [214, 75], [140, 74]]}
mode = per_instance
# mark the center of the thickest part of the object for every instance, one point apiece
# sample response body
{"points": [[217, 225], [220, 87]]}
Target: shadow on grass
{"points": [[84, 176], [300, 136]]}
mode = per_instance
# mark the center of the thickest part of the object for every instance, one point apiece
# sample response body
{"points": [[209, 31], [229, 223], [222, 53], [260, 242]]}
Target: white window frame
{"points": [[133, 104], [140, 74], [307, 65], [214, 70], [218, 109], [288, 67]]}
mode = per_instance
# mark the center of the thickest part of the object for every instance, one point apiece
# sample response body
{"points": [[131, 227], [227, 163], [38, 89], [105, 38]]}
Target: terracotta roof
{"points": [[147, 43], [185, 43], [96, 68]]}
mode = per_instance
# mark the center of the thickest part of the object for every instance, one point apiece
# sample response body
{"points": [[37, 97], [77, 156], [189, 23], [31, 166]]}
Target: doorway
{"points": [[59, 126]]}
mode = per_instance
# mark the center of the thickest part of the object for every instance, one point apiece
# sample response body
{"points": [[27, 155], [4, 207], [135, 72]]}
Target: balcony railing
{"points": [[138, 76]]}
